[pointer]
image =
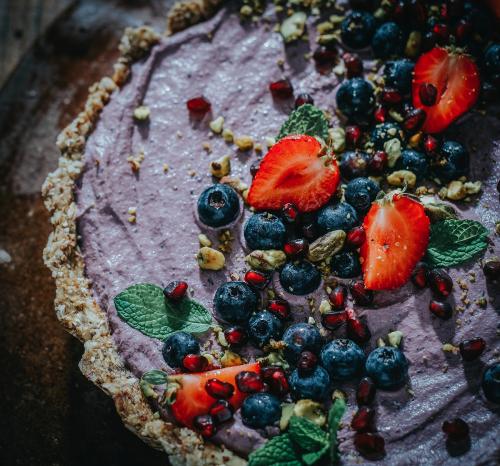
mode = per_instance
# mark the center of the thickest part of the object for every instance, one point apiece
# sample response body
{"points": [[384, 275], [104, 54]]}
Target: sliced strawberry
{"points": [[190, 399], [294, 171], [456, 78], [397, 234]]}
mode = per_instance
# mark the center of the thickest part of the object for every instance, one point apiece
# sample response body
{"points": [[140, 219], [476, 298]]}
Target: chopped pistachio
{"points": [[402, 178], [270, 141], [439, 211], [286, 415], [449, 348], [326, 246], [210, 259], [324, 306], [221, 167], [274, 358], [231, 358], [244, 143], [235, 183], [337, 138], [293, 27], [268, 260], [204, 240], [380, 343], [217, 125], [395, 338], [472, 187], [393, 150], [311, 410], [456, 191], [141, 113], [227, 135], [325, 26]]}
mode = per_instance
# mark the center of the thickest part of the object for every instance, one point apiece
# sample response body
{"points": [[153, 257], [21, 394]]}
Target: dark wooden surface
{"points": [[49, 413]]}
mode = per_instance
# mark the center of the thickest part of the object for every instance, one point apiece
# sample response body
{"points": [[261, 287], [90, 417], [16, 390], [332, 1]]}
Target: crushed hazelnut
{"points": [[244, 143], [141, 113], [210, 259]]}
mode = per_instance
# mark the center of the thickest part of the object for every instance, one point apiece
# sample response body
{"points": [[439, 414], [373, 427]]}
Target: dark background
{"points": [[49, 413]]}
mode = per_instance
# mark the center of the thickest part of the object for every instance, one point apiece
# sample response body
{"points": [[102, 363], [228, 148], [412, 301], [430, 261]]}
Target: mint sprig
{"points": [[335, 414], [279, 451], [307, 119], [145, 308], [311, 439], [453, 242]]}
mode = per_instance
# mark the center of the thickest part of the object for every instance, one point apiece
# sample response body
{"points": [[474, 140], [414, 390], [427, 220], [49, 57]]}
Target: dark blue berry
{"points": [[388, 367], [354, 164], [355, 99], [264, 231], [301, 337], [177, 346], [342, 216], [388, 41], [413, 161], [264, 326], [357, 29], [491, 383], [343, 359], [492, 61], [234, 302], [300, 278], [360, 193], [399, 74], [454, 162], [218, 205], [345, 264], [260, 410], [385, 132], [314, 386]]}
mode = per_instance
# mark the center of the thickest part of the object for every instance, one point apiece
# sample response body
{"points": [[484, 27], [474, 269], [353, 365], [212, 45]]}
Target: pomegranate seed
{"points": [[256, 279], [275, 378], [310, 231], [472, 349], [369, 445], [205, 425], [414, 120], [290, 213], [353, 65], [195, 363], [443, 11], [357, 330], [442, 33], [355, 237], [463, 30], [491, 267], [296, 247], [254, 168], [378, 163], [303, 99], [219, 389], [281, 89], [391, 96], [456, 429], [360, 293], [279, 307], [324, 56], [440, 282], [333, 320], [428, 94], [380, 114], [175, 291], [430, 144], [236, 336], [307, 363], [419, 275], [199, 105], [365, 393], [441, 309], [363, 420], [353, 136], [221, 411], [337, 297], [249, 382]]}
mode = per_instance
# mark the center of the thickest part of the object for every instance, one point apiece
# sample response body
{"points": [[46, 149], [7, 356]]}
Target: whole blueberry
{"points": [[264, 231], [301, 337], [354, 164], [177, 346], [234, 302], [361, 192], [260, 410], [399, 74], [355, 99], [388, 41], [264, 326], [314, 386], [300, 278], [342, 216], [218, 205], [345, 264], [491, 383], [343, 359], [413, 161], [388, 367], [385, 132], [454, 161], [492, 61], [357, 29]]}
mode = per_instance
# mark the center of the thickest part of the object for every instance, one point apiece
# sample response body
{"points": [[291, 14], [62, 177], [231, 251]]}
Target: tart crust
{"points": [[75, 306]]}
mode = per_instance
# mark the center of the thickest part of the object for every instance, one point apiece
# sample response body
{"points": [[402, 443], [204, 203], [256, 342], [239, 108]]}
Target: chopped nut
{"points": [[456, 191], [286, 415], [324, 306], [227, 135], [270, 141], [402, 178], [266, 260], [257, 147], [439, 211], [326, 246], [244, 143], [221, 167], [380, 343], [217, 125], [395, 338], [293, 27], [132, 210], [141, 113], [337, 138], [230, 359], [235, 183], [393, 150], [210, 259], [207, 147], [472, 187], [274, 358], [311, 410], [132, 219], [449, 348], [412, 47], [135, 161], [204, 240], [166, 168]]}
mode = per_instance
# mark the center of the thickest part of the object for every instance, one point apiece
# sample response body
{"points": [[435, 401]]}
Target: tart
{"points": [[265, 243]]}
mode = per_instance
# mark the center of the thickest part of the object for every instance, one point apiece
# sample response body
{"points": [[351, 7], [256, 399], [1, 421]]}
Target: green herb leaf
{"points": [[155, 377], [307, 119], [145, 308], [314, 456], [334, 417], [279, 451], [453, 242], [307, 435]]}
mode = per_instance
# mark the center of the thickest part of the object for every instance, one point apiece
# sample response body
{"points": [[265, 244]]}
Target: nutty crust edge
{"points": [[75, 306]]}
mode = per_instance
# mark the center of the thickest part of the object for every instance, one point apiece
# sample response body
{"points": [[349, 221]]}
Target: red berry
{"points": [[199, 105], [441, 309], [249, 382], [195, 363], [428, 94], [275, 378], [306, 363], [325, 56], [472, 349], [365, 393], [219, 389], [363, 420], [254, 168], [391, 96], [353, 135], [333, 320], [279, 307], [205, 425], [290, 213], [353, 64], [414, 120], [256, 279], [378, 163], [440, 282], [430, 144], [456, 429], [360, 294], [296, 247], [419, 275], [463, 30], [303, 99], [357, 330], [380, 114], [236, 336], [355, 237], [369, 445], [442, 33], [491, 267], [221, 411], [281, 89], [337, 297], [175, 291]]}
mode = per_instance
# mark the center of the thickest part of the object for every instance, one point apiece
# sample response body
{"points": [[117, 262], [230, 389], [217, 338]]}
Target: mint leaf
{"points": [[314, 456], [145, 308], [334, 416], [154, 377], [307, 435], [279, 451], [307, 119], [453, 242]]}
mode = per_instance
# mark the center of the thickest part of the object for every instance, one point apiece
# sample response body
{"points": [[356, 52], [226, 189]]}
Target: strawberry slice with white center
{"points": [[294, 171], [397, 235], [456, 78]]}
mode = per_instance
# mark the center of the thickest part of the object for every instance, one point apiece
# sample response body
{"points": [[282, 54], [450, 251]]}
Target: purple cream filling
{"points": [[233, 68]]}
